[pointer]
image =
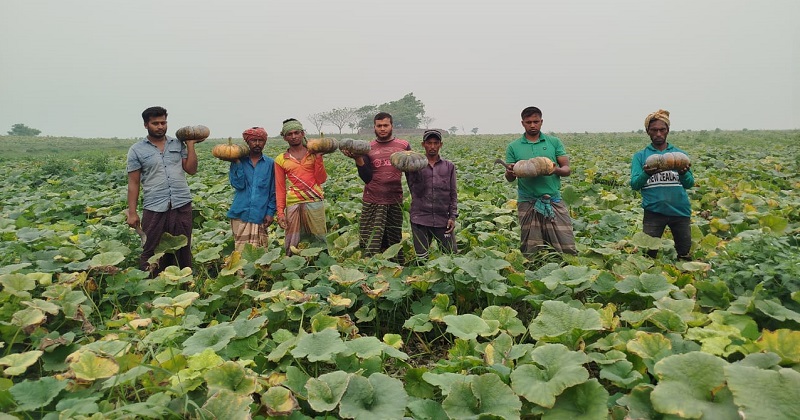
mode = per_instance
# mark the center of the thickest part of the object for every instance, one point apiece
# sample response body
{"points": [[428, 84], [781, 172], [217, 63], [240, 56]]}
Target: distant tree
{"points": [[426, 121], [340, 117], [406, 112], [318, 120], [474, 130], [453, 129], [23, 130]]}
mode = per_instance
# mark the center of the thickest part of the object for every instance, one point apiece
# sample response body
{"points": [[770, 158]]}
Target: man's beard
{"points": [[387, 138]]}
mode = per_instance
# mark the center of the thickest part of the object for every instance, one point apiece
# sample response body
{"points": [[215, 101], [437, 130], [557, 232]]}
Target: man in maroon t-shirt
{"points": [[381, 222]]}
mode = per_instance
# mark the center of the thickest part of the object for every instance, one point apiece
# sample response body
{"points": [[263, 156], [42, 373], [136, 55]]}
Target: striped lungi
{"points": [[304, 219], [249, 233], [381, 226], [537, 231]]}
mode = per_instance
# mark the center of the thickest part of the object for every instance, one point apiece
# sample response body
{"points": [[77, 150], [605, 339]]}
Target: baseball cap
{"points": [[432, 133]]}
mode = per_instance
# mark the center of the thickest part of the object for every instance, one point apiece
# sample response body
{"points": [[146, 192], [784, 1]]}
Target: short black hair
{"points": [[289, 119], [383, 116], [153, 111], [531, 110]]}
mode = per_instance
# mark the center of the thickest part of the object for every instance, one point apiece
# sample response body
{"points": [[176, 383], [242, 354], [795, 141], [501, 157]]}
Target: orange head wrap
{"points": [[661, 114], [255, 133]]}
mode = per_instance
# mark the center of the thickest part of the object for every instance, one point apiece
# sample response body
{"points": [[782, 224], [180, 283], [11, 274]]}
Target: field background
{"points": [[331, 333]]}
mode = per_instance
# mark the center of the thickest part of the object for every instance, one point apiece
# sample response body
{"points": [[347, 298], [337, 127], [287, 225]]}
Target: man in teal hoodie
{"points": [[664, 196]]}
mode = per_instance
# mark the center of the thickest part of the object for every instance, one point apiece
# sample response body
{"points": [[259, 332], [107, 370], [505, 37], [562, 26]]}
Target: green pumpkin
{"points": [[408, 161], [197, 133], [533, 167], [356, 147]]}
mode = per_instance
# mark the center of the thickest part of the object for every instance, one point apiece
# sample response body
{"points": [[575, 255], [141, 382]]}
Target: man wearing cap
{"points": [[543, 216], [434, 199], [664, 196], [301, 210], [158, 164], [381, 221], [253, 179]]}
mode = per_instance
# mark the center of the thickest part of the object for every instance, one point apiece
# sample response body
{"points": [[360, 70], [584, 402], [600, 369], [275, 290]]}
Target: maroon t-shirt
{"points": [[385, 187]]}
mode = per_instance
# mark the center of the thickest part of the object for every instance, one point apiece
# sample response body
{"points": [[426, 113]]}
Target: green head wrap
{"points": [[291, 126]]}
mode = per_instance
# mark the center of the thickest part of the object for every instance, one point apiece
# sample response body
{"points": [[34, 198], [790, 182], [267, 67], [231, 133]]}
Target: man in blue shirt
{"points": [[254, 205], [158, 164], [664, 196]]}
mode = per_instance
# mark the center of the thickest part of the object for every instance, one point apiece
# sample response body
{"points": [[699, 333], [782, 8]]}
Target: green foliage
{"points": [[486, 333], [20, 129]]}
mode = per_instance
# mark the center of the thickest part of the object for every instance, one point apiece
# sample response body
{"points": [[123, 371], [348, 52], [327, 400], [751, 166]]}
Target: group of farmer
{"points": [[289, 189]]}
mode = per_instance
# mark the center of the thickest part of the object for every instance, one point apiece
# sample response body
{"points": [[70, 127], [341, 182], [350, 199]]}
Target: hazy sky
{"points": [[89, 68]]}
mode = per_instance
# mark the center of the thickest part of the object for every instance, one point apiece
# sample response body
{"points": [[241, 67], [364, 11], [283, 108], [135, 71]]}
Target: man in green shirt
{"points": [[543, 216]]}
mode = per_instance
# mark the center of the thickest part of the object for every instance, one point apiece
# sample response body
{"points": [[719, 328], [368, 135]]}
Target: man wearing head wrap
{"points": [[158, 164], [299, 176], [253, 179], [543, 217], [664, 196], [381, 221]]}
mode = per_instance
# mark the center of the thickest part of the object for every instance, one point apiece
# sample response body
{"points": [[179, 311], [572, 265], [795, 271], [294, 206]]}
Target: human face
{"points": [[432, 146], [658, 131], [532, 125], [383, 129], [156, 127], [294, 137], [256, 145]]}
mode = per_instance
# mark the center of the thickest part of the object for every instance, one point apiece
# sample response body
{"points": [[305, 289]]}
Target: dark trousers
{"points": [[177, 221], [424, 235], [381, 226], [680, 226]]}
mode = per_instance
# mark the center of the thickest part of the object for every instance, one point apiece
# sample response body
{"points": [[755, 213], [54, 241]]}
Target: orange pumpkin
{"points": [[197, 133], [408, 161], [670, 161], [229, 151], [322, 145], [356, 147], [534, 167]]}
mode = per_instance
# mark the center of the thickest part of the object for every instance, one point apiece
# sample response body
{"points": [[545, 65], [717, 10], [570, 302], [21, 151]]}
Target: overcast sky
{"points": [[89, 68]]}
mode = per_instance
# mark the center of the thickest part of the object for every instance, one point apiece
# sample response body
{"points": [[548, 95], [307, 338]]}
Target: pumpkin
{"points": [[356, 147], [230, 152], [322, 145], [408, 161], [534, 167], [667, 161], [197, 133]]}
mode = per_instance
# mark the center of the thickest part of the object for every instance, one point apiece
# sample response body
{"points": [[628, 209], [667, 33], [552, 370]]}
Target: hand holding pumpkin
{"points": [[193, 133]]}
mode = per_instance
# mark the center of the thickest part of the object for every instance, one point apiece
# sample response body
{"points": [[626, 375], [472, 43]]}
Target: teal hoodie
{"points": [[664, 192]]}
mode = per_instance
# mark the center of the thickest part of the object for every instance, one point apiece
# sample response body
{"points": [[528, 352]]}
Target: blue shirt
{"points": [[255, 189], [163, 179]]}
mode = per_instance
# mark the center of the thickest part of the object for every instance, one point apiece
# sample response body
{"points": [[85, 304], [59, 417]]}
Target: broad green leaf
{"points": [[163, 335], [126, 378], [214, 338], [279, 401], [345, 276], [621, 374], [230, 376], [570, 276], [418, 323], [227, 405], [773, 223], [91, 367], [651, 347], [365, 347], [170, 243], [692, 385], [43, 305], [17, 284], [506, 317], [319, 346], [655, 286], [638, 403], [325, 392], [441, 308], [587, 401], [27, 317], [445, 380], [18, 363], [208, 254], [764, 394], [426, 409], [415, 385], [468, 326], [485, 395], [776, 310], [643, 240], [107, 259], [379, 396], [558, 320], [785, 343], [31, 395], [557, 368]]}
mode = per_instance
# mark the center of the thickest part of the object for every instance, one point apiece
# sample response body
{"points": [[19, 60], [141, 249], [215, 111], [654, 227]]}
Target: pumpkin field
{"points": [[328, 333]]}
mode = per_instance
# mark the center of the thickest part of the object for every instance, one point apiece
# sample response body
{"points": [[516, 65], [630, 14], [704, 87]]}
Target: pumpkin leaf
{"points": [[319, 346], [214, 338], [279, 401], [764, 394], [32, 395], [379, 396], [469, 326], [91, 367], [230, 376], [227, 405], [326, 391], [785, 343], [556, 369], [18, 363], [484, 395], [559, 322], [586, 401]]}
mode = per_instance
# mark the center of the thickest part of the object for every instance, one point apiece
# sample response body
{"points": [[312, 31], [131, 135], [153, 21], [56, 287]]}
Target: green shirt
{"points": [[530, 189]]}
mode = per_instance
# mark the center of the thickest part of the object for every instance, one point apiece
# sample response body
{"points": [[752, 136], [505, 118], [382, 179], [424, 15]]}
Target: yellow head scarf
{"points": [[661, 114]]}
